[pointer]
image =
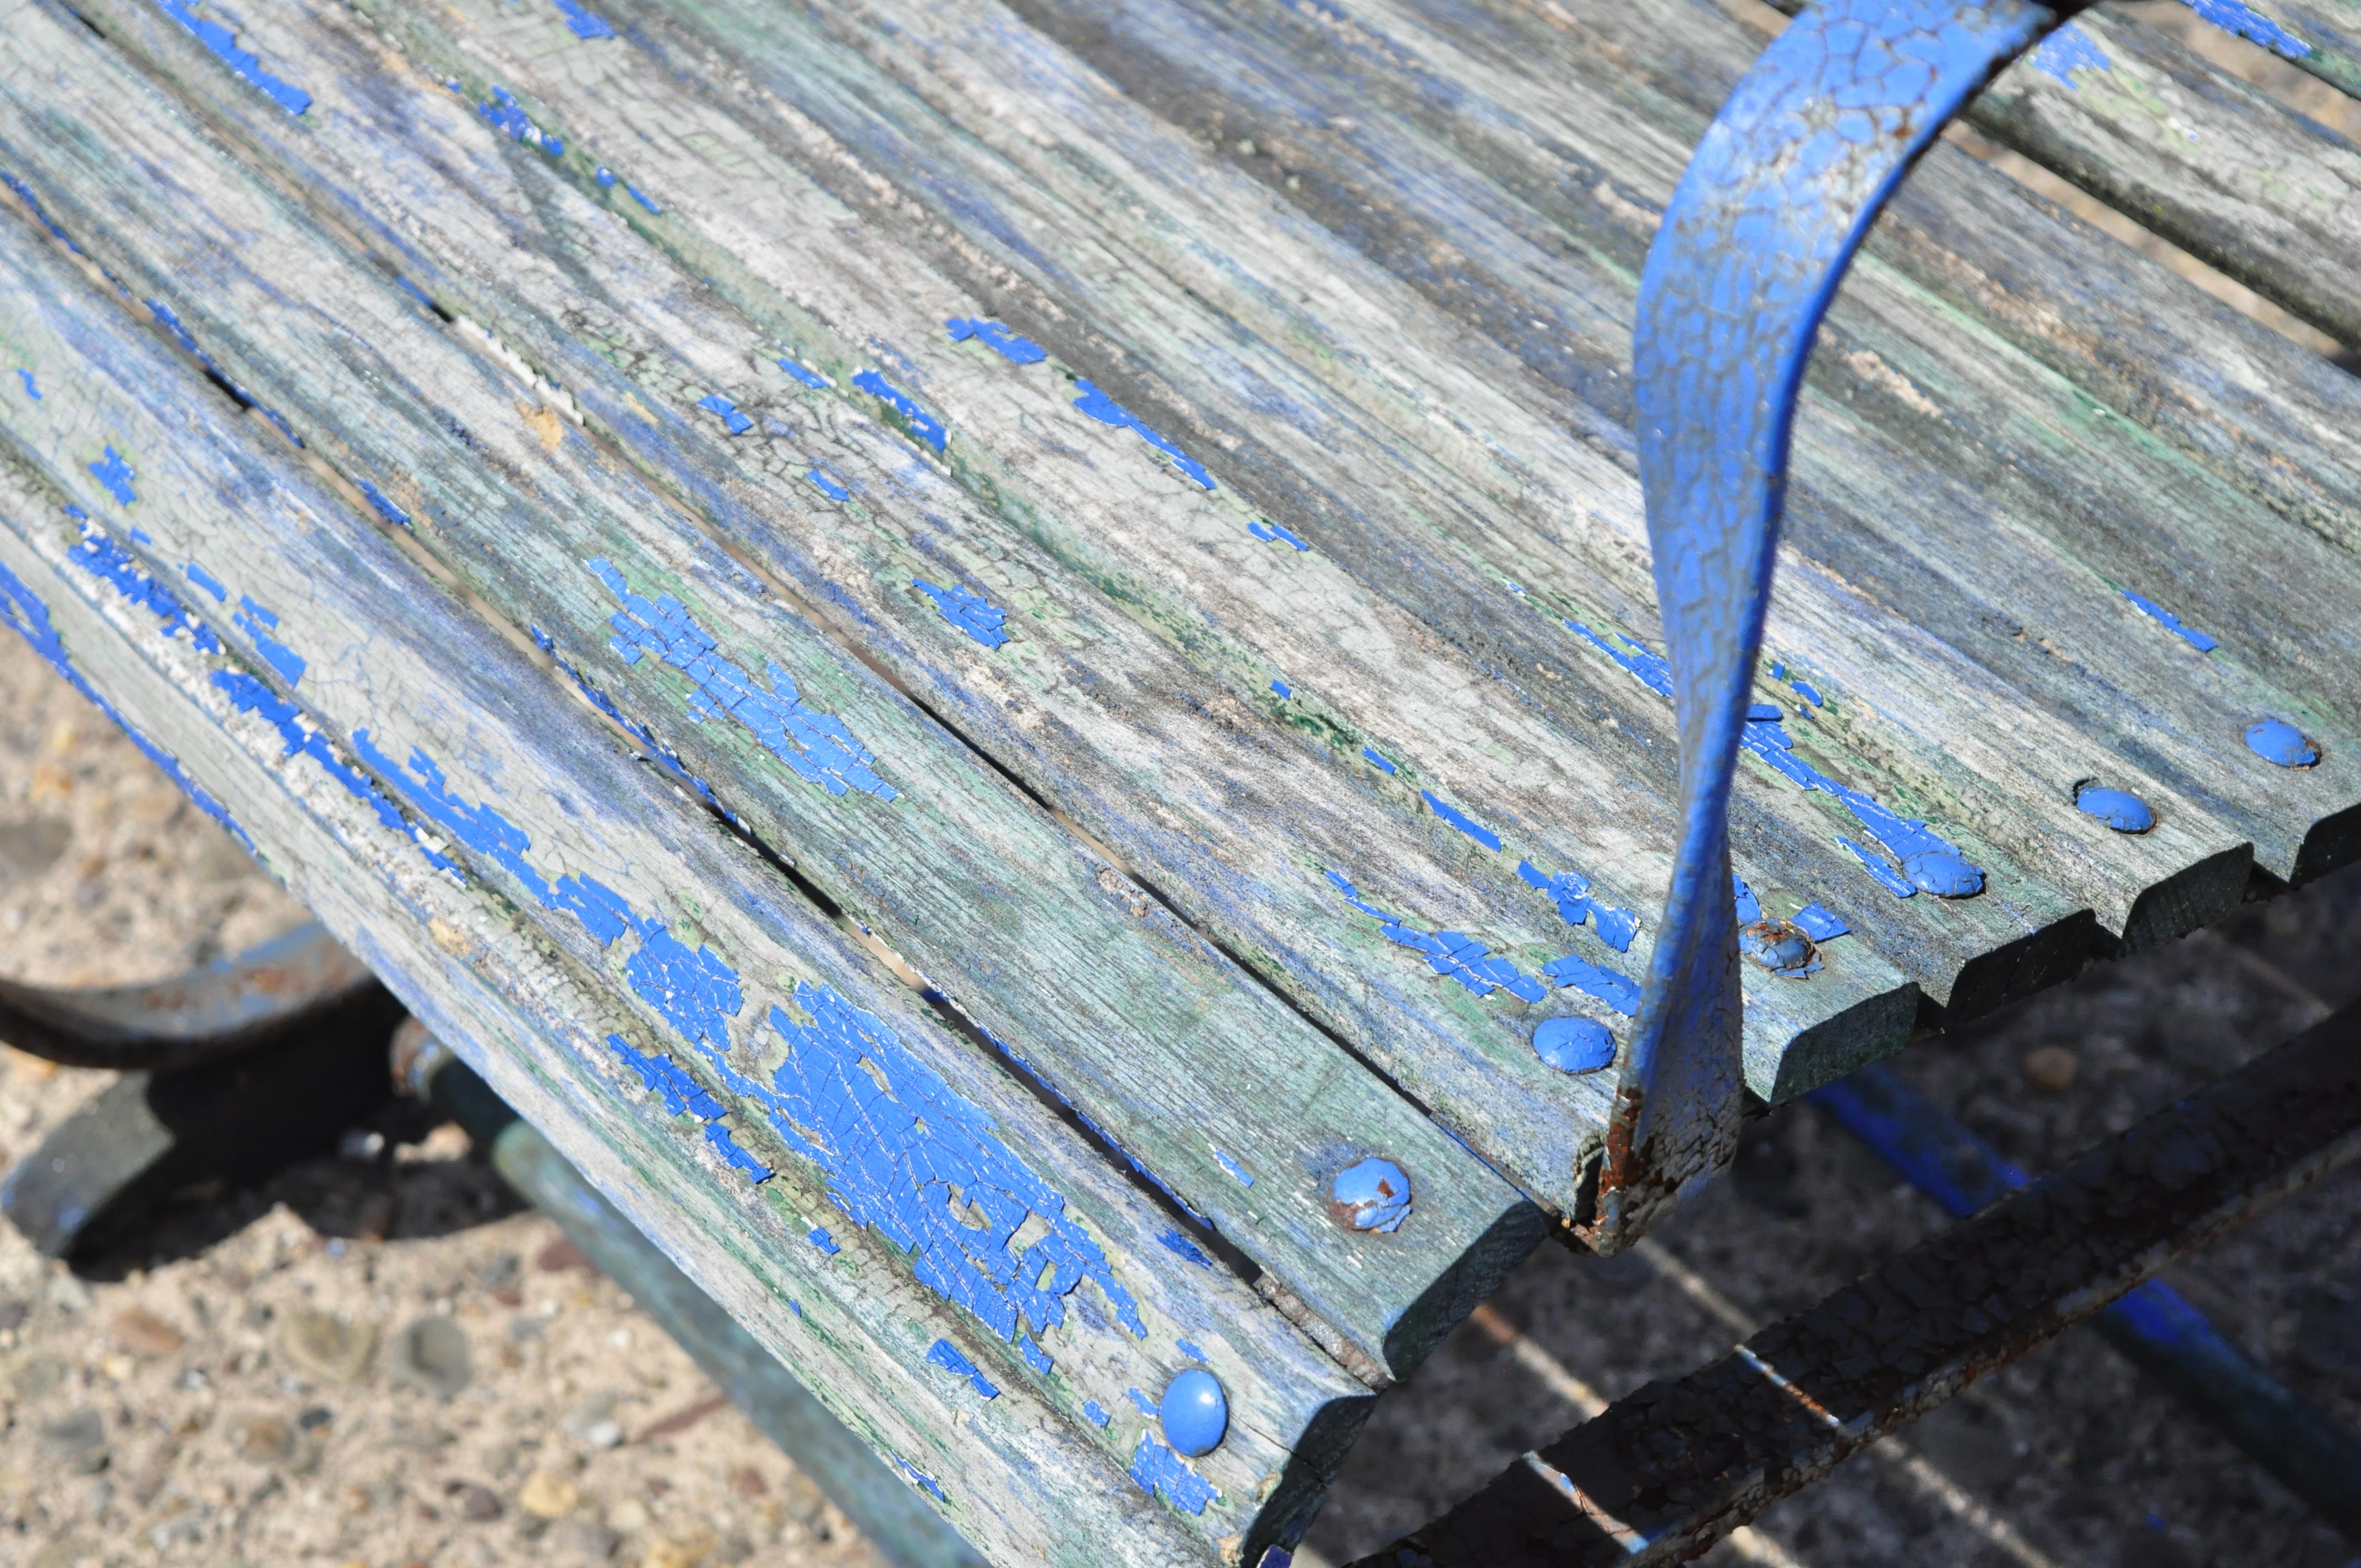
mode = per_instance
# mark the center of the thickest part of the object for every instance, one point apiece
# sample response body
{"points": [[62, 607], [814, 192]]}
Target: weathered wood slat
{"points": [[2216, 165], [1543, 1149], [1150, 1032], [2328, 36], [538, 1003]]}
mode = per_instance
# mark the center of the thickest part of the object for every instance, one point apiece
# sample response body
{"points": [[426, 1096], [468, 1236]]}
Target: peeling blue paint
{"points": [[827, 485], [2278, 742], [23, 608], [922, 424], [816, 745], [1095, 1413], [2067, 50], [1582, 975], [1275, 533], [1781, 947], [1820, 924], [1573, 1045], [822, 1240], [1570, 891], [208, 581], [1107, 410], [1238, 1173], [586, 24], [1191, 1349], [945, 1355], [899, 1147], [384, 504], [245, 63], [1174, 1242], [1804, 689], [812, 379], [31, 390], [921, 1479], [25, 195], [258, 623], [1928, 861], [1282, 690], [1162, 1474], [249, 695], [682, 1095], [1371, 753], [602, 174], [1014, 349], [1461, 820], [745, 1164], [1742, 899], [2169, 622], [1452, 953], [103, 557], [2243, 21], [502, 112], [714, 402], [115, 474], [967, 610]]}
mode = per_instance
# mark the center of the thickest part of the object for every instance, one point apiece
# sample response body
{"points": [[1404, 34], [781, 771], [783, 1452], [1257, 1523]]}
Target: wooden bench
{"points": [[1001, 660]]}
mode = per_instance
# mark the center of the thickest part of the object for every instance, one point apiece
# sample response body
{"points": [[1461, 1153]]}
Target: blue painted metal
{"points": [[1749, 253], [2153, 1325], [1194, 1414]]}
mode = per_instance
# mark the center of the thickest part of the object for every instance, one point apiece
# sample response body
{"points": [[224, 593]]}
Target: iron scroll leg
{"points": [[1751, 249]]}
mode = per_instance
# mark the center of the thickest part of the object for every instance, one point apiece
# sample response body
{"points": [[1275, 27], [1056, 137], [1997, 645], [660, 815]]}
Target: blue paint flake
{"points": [[1275, 533], [384, 504], [922, 424], [1174, 1242], [1282, 690], [827, 485], [945, 1355], [1573, 1045], [258, 623], [208, 581], [714, 402], [920, 1479], [30, 391], [25, 195], [502, 112], [1189, 1349], [23, 608], [1370, 754], [1095, 1413], [923, 1169], [822, 1240], [1804, 689], [2243, 21], [1034, 1356], [245, 63], [2169, 622], [1570, 891], [1452, 953], [249, 695], [115, 474], [586, 24], [103, 557], [967, 610], [2068, 51], [1749, 907], [812, 379], [640, 196], [603, 175], [1929, 862], [745, 1164], [1141, 1402], [1603, 984], [1461, 820], [816, 745], [1014, 349], [671, 1083], [1107, 410], [1820, 923], [1238, 1173]]}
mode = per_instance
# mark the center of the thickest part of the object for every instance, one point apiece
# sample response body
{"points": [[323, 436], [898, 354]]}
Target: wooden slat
{"points": [[2328, 33], [534, 1002], [1152, 1034]]}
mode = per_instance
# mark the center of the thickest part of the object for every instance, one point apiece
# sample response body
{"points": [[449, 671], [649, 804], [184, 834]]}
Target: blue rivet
{"points": [[1943, 873], [2277, 740], [1373, 1195], [1781, 947], [1195, 1414], [1573, 1045], [2119, 809]]}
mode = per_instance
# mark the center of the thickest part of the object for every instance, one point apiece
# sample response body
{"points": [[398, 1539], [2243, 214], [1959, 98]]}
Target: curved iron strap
{"points": [[227, 1006], [1759, 233]]}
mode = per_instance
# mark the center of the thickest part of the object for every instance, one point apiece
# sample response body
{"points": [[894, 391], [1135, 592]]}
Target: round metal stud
{"points": [[1573, 1045], [2277, 740], [1194, 1414], [1780, 946], [2118, 808], [1373, 1195]]}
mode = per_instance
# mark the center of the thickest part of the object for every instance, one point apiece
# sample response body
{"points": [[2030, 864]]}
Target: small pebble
{"points": [[747, 1482], [79, 1438], [13, 1314], [604, 1435], [562, 1254], [142, 1332], [585, 1539], [315, 1416], [629, 1515], [547, 1494], [265, 1438], [432, 1354], [479, 1503], [2050, 1068], [326, 1349]]}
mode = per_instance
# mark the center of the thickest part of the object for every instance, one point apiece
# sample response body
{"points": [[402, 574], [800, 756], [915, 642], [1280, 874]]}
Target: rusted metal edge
{"points": [[1665, 1472]]}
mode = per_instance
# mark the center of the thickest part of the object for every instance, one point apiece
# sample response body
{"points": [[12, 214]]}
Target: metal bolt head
{"points": [[1573, 1045], [1372, 1195], [1194, 1414], [2118, 808], [1780, 946], [2278, 742]]}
